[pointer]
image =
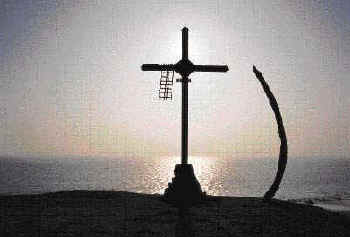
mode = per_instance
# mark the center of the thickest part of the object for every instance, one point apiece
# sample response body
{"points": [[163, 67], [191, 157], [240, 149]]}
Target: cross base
{"points": [[185, 190]]}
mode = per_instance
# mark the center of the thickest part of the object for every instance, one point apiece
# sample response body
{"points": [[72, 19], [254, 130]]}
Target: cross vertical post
{"points": [[185, 43], [184, 111]]}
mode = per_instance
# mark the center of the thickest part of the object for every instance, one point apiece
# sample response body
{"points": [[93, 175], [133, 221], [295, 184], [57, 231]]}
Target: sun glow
{"points": [[170, 49]]}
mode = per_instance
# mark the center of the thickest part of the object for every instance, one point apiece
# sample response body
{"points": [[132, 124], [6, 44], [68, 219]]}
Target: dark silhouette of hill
{"points": [[109, 213]]}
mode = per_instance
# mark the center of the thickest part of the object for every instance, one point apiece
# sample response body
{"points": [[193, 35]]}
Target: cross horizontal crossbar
{"points": [[174, 67], [158, 67], [210, 68]]}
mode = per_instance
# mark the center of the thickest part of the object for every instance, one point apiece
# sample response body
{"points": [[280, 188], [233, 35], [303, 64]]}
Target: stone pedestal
{"points": [[184, 190]]}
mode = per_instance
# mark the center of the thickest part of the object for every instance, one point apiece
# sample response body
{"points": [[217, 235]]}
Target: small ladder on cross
{"points": [[166, 80]]}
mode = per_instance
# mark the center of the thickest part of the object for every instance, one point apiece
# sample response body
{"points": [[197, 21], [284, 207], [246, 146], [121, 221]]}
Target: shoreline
{"points": [[341, 206], [333, 204]]}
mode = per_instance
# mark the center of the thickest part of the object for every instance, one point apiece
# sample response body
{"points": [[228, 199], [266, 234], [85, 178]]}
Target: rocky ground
{"points": [[107, 213]]}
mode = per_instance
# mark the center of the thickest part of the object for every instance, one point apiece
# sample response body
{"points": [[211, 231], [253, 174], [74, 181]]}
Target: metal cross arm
{"points": [[184, 67], [210, 68], [158, 67]]}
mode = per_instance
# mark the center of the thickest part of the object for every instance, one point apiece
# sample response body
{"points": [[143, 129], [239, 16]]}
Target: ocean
{"points": [[305, 178]]}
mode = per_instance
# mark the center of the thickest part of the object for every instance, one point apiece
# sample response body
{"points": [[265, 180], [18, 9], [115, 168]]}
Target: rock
{"points": [[185, 190]]}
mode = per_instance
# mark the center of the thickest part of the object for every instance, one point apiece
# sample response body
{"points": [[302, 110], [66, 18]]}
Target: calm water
{"points": [[304, 178]]}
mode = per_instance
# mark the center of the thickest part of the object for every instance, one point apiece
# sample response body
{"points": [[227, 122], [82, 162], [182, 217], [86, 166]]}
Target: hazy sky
{"points": [[71, 82]]}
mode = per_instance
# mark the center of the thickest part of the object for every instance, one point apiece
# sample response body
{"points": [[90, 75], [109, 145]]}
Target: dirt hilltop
{"points": [[115, 213]]}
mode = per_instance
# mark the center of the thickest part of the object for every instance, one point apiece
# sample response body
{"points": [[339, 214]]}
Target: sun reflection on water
{"points": [[219, 176]]}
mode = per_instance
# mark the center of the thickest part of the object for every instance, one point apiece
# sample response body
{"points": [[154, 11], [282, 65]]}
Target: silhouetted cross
{"points": [[184, 67]]}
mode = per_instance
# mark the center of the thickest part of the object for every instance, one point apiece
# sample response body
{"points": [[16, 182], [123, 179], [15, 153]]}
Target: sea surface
{"points": [[304, 177]]}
